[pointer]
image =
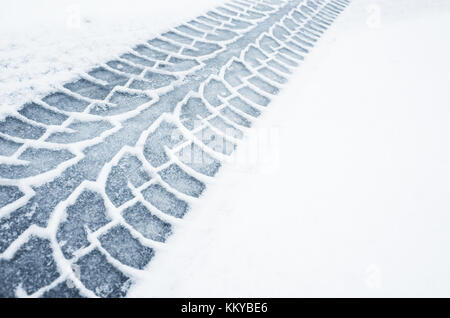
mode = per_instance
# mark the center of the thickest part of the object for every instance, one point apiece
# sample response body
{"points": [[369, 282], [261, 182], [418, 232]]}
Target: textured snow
{"points": [[45, 43], [357, 202], [324, 217]]}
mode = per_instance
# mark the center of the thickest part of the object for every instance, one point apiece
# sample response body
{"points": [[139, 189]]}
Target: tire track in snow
{"points": [[95, 177]]}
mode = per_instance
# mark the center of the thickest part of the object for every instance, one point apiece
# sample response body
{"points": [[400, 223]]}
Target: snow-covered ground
{"points": [[47, 42], [359, 204], [341, 190]]}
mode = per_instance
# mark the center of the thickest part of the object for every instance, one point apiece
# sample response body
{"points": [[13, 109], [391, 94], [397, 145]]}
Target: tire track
{"points": [[94, 177]]}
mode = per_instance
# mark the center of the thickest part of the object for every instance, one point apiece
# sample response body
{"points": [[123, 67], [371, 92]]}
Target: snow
{"points": [[48, 42], [349, 197], [340, 189]]}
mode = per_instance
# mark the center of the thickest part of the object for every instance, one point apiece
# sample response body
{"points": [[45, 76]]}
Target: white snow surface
{"points": [[48, 42], [345, 191], [357, 203]]}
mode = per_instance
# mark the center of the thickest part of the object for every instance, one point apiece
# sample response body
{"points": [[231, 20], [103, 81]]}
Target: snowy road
{"points": [[96, 176]]}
